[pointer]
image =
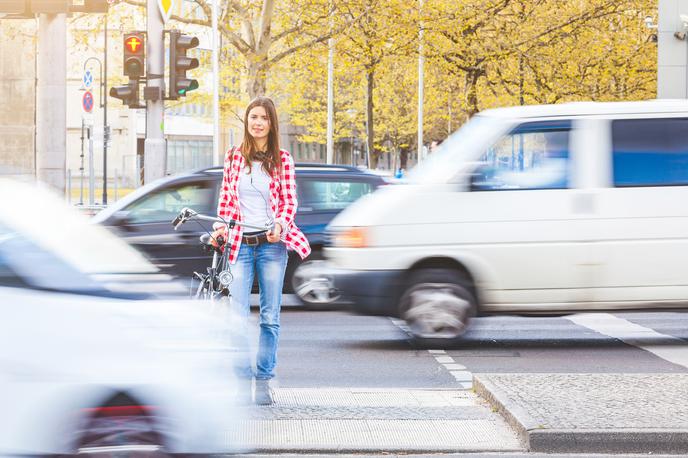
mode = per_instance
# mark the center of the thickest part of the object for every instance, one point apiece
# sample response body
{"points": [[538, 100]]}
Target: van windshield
{"points": [[442, 165]]}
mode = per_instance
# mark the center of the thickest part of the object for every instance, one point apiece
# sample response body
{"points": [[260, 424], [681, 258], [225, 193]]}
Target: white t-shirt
{"points": [[254, 196]]}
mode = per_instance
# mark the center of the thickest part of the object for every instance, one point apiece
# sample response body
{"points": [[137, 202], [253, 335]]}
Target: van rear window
{"points": [[650, 152]]}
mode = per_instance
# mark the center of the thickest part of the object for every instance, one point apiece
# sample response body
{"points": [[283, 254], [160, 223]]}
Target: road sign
{"points": [[87, 102], [165, 7], [88, 79]]}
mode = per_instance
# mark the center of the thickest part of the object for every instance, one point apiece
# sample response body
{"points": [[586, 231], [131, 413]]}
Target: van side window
{"points": [[532, 156], [650, 152]]}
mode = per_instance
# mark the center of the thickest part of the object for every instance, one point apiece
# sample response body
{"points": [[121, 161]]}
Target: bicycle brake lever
{"points": [[177, 221]]}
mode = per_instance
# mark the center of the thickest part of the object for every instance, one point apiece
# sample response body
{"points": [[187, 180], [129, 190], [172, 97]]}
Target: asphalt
{"points": [[592, 413]]}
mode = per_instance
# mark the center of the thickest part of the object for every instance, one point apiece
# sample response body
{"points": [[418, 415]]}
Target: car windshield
{"points": [[42, 219], [443, 165], [25, 264], [126, 200]]}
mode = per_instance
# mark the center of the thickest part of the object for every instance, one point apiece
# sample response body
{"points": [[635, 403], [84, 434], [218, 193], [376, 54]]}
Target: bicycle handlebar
{"points": [[187, 214]]}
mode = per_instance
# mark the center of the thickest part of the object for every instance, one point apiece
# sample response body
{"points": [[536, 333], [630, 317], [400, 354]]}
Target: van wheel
{"points": [[312, 284], [438, 304]]}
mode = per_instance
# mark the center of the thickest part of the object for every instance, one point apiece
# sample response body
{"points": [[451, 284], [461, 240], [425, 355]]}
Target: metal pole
{"points": [[367, 145], [81, 169], [216, 91], [106, 130], [330, 93], [91, 177], [154, 146], [421, 60], [69, 186]]}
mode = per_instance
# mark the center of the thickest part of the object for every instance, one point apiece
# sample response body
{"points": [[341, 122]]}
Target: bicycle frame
{"points": [[215, 284]]}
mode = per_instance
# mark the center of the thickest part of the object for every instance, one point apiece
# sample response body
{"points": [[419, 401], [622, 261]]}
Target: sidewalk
{"points": [[592, 413], [374, 421]]}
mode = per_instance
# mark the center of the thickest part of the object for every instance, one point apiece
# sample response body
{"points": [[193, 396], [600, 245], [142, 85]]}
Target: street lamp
{"points": [[102, 68], [102, 99], [101, 84]]}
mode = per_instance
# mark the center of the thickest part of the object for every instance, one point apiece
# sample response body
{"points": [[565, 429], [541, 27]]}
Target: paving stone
{"points": [[373, 420], [591, 401]]}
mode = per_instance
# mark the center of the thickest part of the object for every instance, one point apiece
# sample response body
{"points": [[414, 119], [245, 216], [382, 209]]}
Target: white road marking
{"points": [[463, 377], [444, 359], [671, 348]]}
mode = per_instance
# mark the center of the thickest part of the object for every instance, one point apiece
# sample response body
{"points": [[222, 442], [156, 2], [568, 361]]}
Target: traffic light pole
{"points": [[154, 159]]}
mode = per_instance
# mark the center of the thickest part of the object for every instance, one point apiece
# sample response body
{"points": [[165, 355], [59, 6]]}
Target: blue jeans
{"points": [[269, 261]]}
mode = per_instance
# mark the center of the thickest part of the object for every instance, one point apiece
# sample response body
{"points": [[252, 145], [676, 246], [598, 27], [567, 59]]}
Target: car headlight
{"points": [[353, 237]]}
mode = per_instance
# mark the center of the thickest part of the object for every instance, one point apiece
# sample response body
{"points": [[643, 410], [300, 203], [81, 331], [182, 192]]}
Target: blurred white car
{"points": [[532, 209], [85, 368]]}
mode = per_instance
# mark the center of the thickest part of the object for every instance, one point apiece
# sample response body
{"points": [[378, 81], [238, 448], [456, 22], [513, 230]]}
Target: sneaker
{"points": [[263, 393]]}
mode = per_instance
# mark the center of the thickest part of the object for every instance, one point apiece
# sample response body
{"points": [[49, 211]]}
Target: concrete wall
{"points": [[17, 110]]}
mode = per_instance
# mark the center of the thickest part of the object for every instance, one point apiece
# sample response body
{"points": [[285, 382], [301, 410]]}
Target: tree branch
{"points": [[319, 39], [264, 39]]}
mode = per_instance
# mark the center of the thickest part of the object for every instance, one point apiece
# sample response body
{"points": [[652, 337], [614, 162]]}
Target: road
{"points": [[337, 349], [355, 384]]}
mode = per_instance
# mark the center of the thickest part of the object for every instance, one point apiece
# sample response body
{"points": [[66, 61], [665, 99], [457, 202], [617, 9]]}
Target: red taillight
{"points": [[120, 411]]}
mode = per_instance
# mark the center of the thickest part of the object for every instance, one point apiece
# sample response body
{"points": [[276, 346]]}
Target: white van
{"points": [[534, 209]]}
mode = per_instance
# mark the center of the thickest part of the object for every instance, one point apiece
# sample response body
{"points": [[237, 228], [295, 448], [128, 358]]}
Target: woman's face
{"points": [[258, 123]]}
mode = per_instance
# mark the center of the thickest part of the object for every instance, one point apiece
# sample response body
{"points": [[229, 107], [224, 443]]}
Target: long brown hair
{"points": [[272, 162]]}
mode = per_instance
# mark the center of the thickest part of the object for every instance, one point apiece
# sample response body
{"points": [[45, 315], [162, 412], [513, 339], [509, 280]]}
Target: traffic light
{"points": [[134, 55], [128, 94], [180, 64], [134, 67]]}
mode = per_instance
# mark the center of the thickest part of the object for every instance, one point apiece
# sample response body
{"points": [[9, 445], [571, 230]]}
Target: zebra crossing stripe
{"points": [[671, 348]]}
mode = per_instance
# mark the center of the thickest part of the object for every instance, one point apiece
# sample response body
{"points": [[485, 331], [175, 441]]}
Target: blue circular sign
{"points": [[88, 79], [87, 102]]}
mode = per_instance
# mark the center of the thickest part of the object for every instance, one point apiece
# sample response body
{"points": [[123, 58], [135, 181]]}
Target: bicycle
{"points": [[213, 285]]}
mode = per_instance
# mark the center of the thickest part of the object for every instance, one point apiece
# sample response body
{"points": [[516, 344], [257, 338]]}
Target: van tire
{"points": [[438, 304], [313, 288]]}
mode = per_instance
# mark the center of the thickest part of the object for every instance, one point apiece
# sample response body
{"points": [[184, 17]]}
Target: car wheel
{"points": [[438, 304], [309, 282], [121, 436]]}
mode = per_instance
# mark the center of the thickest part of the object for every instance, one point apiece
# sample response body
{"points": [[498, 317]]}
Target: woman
{"points": [[259, 187]]}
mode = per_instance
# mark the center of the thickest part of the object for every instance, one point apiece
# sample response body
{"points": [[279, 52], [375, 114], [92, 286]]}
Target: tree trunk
{"points": [[370, 132], [403, 158], [472, 77], [257, 77]]}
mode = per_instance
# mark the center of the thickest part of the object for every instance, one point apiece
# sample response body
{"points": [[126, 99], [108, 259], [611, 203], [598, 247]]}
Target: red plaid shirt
{"points": [[283, 203]]}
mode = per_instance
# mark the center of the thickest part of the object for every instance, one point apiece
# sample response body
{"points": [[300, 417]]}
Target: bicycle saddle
{"points": [[206, 242]]}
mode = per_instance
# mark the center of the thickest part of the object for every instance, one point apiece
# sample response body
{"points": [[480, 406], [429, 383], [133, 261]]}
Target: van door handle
{"points": [[584, 203]]}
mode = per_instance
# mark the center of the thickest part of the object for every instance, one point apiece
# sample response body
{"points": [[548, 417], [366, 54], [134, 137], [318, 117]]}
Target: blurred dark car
{"points": [[143, 219]]}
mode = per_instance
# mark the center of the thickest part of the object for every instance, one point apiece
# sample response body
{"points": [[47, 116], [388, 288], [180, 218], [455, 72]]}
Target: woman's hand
{"points": [[273, 234], [221, 232]]}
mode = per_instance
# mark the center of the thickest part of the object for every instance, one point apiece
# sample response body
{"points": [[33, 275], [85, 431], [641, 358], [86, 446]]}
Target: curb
{"points": [[514, 415], [535, 438]]}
